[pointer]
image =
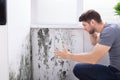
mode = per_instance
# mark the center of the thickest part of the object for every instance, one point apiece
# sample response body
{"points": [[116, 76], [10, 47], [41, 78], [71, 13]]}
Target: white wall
{"points": [[3, 53], [18, 28], [55, 11], [12, 35]]}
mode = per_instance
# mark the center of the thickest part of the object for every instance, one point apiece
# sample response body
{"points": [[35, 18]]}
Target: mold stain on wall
{"points": [[24, 71], [47, 66], [37, 60]]}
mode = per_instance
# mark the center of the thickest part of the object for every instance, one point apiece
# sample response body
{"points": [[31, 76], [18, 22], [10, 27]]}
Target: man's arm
{"points": [[89, 57], [94, 38]]}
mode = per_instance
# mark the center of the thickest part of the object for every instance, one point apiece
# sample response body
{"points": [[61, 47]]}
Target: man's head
{"points": [[90, 19]]}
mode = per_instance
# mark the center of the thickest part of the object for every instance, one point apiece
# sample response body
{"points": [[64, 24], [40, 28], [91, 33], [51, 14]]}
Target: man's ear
{"points": [[92, 21]]}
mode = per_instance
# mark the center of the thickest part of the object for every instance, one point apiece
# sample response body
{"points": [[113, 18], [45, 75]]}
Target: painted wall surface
{"points": [[24, 66], [18, 30], [55, 11], [47, 66], [3, 53]]}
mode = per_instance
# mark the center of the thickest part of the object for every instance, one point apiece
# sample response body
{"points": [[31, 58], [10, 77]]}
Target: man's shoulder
{"points": [[111, 27]]}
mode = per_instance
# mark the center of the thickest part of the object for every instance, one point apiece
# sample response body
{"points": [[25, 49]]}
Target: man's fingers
{"points": [[64, 47], [57, 51]]}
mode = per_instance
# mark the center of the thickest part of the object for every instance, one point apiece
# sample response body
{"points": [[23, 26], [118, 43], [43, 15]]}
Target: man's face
{"points": [[89, 27]]}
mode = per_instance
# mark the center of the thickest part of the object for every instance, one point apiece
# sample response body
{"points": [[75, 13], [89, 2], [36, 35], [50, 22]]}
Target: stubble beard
{"points": [[92, 31]]}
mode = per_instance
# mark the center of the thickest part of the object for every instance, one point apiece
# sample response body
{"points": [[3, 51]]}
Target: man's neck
{"points": [[100, 26]]}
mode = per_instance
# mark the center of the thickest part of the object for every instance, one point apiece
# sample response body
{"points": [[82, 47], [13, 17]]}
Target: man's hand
{"points": [[62, 53], [94, 38]]}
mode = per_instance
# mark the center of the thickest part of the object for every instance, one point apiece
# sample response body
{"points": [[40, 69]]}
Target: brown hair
{"points": [[90, 14]]}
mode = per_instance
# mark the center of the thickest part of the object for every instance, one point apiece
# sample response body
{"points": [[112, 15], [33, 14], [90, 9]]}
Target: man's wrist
{"points": [[68, 55]]}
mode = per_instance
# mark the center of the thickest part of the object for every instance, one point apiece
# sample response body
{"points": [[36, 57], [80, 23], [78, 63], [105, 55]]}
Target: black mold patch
{"points": [[43, 40]]}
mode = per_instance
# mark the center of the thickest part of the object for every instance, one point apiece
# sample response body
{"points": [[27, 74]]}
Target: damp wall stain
{"points": [[25, 65], [37, 59], [47, 66]]}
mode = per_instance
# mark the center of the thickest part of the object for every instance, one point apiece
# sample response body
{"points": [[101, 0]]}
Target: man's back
{"points": [[110, 36]]}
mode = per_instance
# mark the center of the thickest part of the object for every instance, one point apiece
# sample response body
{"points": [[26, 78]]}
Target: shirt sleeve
{"points": [[107, 37]]}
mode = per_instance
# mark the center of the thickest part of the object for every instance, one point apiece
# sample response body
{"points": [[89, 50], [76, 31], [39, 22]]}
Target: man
{"points": [[108, 41]]}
